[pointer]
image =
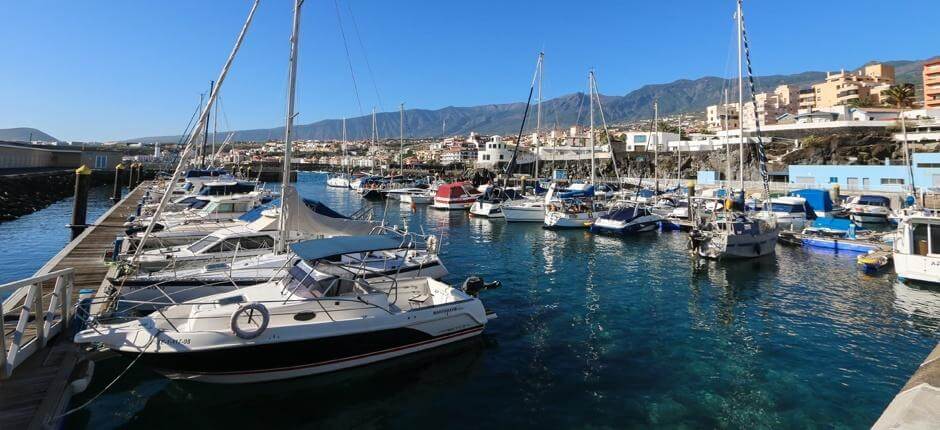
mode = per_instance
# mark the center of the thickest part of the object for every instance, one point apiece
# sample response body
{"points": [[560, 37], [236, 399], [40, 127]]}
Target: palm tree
{"points": [[899, 96], [863, 102]]}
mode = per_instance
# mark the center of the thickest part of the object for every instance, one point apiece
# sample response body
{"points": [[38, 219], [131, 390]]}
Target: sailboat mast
{"points": [[656, 143], [538, 118], [345, 158], [907, 157], [289, 127], [590, 86], [679, 155], [741, 101], [401, 138], [205, 133], [724, 127], [215, 130], [372, 166]]}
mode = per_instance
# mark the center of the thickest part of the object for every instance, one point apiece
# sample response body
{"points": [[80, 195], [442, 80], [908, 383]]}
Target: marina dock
{"points": [[42, 371]]}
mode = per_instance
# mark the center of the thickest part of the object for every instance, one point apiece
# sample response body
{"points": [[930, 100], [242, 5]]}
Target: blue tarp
{"points": [[817, 199], [587, 192], [319, 249]]}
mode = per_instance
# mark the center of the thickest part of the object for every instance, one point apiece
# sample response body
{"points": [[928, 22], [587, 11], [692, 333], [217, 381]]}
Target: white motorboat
{"points": [[422, 197], [490, 204], [868, 209], [338, 181], [627, 217], [527, 210], [572, 209], [916, 248], [788, 212], [399, 193], [301, 325]]}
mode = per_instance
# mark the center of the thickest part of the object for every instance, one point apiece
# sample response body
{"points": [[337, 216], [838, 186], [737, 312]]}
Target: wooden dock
{"points": [[40, 388]]}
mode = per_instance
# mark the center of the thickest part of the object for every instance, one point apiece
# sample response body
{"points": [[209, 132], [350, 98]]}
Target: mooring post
{"points": [[80, 206], [131, 171], [140, 174], [116, 194]]}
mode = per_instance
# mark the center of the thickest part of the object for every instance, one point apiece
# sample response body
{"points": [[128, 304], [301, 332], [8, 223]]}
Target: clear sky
{"points": [[118, 69]]}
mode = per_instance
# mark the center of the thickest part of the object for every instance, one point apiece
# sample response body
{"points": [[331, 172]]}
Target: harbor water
{"points": [[593, 332]]}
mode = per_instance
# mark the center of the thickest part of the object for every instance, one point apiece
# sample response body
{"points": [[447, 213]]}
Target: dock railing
{"points": [[36, 322]]}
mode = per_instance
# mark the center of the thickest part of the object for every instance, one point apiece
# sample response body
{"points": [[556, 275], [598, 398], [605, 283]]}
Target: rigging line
{"points": [[364, 55], [761, 154], [525, 114], [610, 146], [339, 20], [580, 105]]}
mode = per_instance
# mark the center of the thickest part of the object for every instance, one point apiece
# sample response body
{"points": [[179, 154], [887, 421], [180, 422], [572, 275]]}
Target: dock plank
{"points": [[38, 389]]}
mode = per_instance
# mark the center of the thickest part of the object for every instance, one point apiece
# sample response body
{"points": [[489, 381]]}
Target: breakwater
{"points": [[28, 192]]}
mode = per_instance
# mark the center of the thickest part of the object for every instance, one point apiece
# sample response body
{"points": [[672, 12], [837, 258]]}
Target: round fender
{"points": [[251, 309]]}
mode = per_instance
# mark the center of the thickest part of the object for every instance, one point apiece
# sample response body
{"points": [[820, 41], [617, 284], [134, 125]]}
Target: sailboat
{"points": [[578, 206], [530, 208], [341, 180], [302, 324], [732, 233]]}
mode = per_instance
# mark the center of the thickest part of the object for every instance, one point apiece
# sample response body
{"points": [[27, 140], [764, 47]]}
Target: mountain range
{"points": [[681, 96], [24, 134]]}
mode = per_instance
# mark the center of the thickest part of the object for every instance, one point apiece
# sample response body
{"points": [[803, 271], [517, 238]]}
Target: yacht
{"points": [[789, 212], [572, 209], [869, 209], [421, 197], [455, 196], [339, 180], [916, 248], [303, 324], [734, 235], [526, 210], [490, 204], [626, 217]]}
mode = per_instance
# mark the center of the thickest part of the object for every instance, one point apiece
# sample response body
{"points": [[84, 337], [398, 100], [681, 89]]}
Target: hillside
{"points": [[675, 97], [24, 134]]}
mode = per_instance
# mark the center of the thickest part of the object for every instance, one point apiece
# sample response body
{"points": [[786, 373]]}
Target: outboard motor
{"points": [[474, 285]]}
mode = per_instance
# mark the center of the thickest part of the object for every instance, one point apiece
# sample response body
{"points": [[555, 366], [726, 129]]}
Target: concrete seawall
{"points": [[917, 406]]}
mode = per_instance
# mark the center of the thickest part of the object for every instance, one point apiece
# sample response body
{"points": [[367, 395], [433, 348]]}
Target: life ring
{"points": [[252, 307]]}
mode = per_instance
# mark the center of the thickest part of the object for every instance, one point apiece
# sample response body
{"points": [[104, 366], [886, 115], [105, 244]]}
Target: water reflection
{"points": [[921, 303]]}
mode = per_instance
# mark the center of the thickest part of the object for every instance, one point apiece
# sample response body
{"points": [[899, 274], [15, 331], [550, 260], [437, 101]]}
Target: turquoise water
{"points": [[593, 332]]}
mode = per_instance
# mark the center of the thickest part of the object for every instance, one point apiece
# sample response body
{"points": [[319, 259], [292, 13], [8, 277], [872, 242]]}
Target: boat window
{"points": [[935, 238], [919, 238], [203, 243], [256, 242], [225, 207]]}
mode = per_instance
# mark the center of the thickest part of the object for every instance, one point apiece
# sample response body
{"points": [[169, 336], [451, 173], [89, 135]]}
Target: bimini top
{"points": [[319, 249], [456, 190], [198, 173], [315, 205]]}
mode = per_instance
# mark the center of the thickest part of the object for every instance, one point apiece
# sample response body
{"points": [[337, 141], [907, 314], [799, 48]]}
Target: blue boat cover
{"points": [[587, 192], [838, 224], [318, 249], [818, 199]]}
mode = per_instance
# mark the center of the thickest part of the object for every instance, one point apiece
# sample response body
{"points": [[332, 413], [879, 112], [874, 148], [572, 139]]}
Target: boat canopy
{"points": [[835, 224], [319, 249], [455, 190], [315, 205], [226, 188], [817, 199]]}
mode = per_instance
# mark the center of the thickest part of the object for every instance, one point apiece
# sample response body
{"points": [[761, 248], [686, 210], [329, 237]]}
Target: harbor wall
{"points": [[25, 193], [917, 406]]}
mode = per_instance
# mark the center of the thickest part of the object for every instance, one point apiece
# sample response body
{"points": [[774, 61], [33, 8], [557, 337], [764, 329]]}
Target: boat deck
{"points": [[40, 388]]}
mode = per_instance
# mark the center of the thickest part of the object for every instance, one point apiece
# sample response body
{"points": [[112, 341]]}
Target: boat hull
{"points": [[639, 225], [571, 221], [524, 213], [285, 360], [486, 210]]}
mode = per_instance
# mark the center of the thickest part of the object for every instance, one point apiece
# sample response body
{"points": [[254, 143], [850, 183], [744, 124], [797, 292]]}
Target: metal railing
{"points": [[48, 321]]}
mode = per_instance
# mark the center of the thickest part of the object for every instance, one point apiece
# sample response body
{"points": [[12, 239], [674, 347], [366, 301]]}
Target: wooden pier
{"points": [[39, 371]]}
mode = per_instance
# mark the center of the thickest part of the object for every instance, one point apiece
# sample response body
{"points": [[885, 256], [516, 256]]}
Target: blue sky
{"points": [[110, 69]]}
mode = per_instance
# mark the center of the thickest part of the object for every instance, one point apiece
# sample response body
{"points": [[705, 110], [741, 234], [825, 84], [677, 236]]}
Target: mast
{"points": [[205, 133], [538, 117], [907, 157], [724, 127], [289, 127], [656, 144], [679, 156], [737, 15], [591, 85], [345, 160], [203, 120], [372, 165], [401, 138], [215, 130]]}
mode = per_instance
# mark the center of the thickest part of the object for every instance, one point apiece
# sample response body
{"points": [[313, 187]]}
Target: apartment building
{"points": [[843, 87], [769, 106], [932, 83]]}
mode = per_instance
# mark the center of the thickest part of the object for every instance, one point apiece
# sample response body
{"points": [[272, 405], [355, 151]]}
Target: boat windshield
{"points": [[203, 243]]}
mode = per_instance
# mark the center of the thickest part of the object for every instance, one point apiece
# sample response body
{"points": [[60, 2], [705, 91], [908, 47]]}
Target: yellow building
{"points": [[843, 87], [770, 105]]}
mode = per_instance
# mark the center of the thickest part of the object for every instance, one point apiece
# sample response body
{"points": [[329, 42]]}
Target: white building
{"points": [[639, 141], [496, 151]]}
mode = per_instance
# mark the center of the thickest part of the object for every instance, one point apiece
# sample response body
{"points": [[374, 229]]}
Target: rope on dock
{"points": [[107, 387]]}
